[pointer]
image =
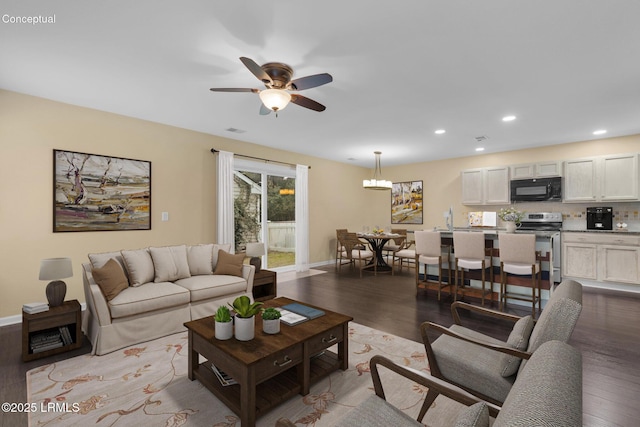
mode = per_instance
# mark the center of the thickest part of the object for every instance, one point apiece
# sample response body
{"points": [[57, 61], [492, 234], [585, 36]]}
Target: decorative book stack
{"points": [[35, 307]]}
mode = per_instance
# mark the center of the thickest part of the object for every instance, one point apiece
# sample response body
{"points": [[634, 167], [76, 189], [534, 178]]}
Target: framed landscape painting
{"points": [[406, 202], [100, 193]]}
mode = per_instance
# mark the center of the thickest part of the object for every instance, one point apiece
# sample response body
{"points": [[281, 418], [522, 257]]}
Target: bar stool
{"points": [[431, 251], [470, 253], [518, 257]]}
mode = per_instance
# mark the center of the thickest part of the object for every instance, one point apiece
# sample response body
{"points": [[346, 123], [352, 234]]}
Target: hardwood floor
{"points": [[606, 334]]}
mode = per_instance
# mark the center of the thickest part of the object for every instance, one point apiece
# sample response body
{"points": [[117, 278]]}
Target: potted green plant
{"points": [[224, 325], [245, 317], [271, 320]]}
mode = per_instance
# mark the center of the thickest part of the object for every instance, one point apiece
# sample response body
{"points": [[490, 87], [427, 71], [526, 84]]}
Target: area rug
{"points": [[147, 385]]}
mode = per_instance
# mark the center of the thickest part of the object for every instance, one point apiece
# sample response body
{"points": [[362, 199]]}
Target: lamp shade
{"points": [[55, 268], [255, 249], [275, 99], [377, 183]]}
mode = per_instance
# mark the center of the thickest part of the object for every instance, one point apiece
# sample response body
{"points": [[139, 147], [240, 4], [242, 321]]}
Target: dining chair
{"points": [[430, 251], [470, 253], [397, 243], [354, 250], [405, 256], [339, 247], [518, 257]]}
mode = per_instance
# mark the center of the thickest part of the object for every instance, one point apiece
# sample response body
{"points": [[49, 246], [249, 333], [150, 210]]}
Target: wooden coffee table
{"points": [[269, 369]]}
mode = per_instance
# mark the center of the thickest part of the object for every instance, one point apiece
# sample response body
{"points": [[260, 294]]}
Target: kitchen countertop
{"points": [[629, 232], [493, 232]]}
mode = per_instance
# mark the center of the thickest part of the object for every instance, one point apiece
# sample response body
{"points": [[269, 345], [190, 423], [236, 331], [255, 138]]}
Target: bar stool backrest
{"points": [[428, 243], [517, 248], [468, 245]]}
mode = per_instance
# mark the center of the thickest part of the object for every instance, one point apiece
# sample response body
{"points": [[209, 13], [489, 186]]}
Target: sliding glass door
{"points": [[264, 211]]}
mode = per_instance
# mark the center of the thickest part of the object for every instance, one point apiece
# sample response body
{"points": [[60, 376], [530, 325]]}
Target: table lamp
{"points": [[255, 251], [55, 269]]}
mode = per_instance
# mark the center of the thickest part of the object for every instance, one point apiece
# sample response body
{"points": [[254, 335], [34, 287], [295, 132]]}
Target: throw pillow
{"points": [[216, 248], [229, 263], [476, 415], [139, 265], [111, 279], [518, 339], [200, 259], [170, 263], [99, 260]]}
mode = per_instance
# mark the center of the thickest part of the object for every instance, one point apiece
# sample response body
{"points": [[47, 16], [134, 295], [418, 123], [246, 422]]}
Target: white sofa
{"points": [[164, 288]]}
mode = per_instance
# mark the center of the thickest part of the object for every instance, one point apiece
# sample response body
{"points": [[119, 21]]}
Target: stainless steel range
{"points": [[546, 225]]}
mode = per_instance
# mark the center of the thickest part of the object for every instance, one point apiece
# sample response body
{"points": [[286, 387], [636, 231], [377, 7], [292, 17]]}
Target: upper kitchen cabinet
{"points": [[536, 170], [485, 186], [612, 178]]}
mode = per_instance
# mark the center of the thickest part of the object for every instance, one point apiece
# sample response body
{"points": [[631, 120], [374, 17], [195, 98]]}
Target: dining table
{"points": [[376, 242]]}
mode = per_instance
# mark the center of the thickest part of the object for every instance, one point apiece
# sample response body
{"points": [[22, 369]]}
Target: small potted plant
{"points": [[224, 325], [270, 320], [245, 317], [512, 217]]}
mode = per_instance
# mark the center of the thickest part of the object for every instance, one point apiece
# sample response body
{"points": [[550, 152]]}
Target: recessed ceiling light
{"points": [[480, 149], [508, 118], [600, 132], [440, 131]]}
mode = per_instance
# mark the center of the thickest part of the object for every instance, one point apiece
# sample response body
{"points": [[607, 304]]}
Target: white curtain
{"points": [[225, 229], [302, 218]]}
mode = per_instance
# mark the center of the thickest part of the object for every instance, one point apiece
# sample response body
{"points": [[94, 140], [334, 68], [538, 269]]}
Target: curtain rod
{"points": [[214, 151]]}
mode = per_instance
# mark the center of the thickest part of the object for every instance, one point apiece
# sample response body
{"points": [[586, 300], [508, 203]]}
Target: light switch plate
{"points": [[165, 216]]}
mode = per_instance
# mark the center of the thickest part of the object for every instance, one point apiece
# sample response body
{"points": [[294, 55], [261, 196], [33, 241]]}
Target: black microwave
{"points": [[536, 190]]}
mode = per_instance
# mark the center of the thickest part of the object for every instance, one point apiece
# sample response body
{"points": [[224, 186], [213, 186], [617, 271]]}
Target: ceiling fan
{"points": [[276, 76]]}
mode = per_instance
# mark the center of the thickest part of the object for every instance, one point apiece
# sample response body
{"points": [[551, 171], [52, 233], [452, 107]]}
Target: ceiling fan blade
{"points": [[311, 81], [256, 70], [264, 110], [233, 89], [303, 101]]}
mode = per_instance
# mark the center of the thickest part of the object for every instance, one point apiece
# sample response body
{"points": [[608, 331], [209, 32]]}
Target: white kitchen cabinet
{"points": [[619, 181], [485, 186], [612, 178], [536, 170], [606, 257], [580, 180]]}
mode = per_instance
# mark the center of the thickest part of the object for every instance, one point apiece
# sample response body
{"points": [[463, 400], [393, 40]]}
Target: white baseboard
{"points": [[13, 320]]}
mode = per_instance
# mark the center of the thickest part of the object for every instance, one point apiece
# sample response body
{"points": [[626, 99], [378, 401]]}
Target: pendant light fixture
{"points": [[377, 183]]}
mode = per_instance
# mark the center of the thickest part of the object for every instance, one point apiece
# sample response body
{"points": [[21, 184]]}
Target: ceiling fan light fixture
{"points": [[377, 183], [275, 99]]}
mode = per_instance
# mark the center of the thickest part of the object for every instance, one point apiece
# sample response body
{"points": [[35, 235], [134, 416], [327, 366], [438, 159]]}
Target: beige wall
{"points": [[183, 184]]}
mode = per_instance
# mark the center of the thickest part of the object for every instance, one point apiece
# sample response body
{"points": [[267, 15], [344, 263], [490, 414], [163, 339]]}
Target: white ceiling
{"points": [[401, 70]]}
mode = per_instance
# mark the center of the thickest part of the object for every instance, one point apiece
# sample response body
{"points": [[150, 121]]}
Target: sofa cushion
{"points": [[170, 263], [519, 340], [375, 411], [476, 415], [216, 248], [205, 287], [100, 259], [111, 279], [230, 264], [200, 259], [148, 297], [139, 265]]}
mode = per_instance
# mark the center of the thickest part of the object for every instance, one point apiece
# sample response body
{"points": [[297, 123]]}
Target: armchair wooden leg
{"points": [[428, 401]]}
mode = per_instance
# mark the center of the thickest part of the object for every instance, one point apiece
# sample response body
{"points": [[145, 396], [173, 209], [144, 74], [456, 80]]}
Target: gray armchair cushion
{"points": [[519, 340], [474, 416], [471, 365]]}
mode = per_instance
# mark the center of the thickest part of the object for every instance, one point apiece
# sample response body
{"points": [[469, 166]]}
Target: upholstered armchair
{"points": [[547, 392], [488, 367]]}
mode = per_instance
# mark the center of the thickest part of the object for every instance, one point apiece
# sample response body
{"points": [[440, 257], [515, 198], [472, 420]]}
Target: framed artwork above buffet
{"points": [[92, 192]]}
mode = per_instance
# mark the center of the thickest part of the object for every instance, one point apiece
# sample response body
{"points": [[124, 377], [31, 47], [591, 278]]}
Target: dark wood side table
{"points": [[66, 315], [265, 285]]}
